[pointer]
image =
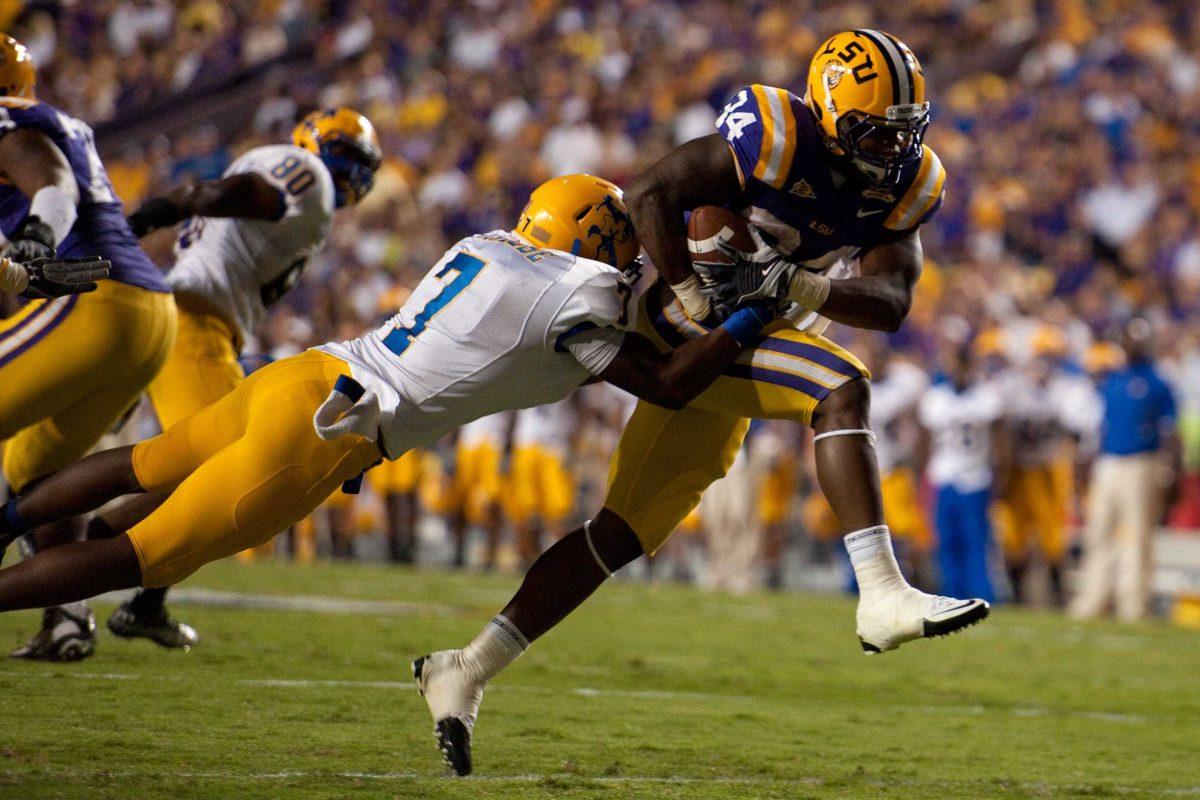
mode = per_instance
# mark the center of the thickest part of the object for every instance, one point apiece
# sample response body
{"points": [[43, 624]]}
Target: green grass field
{"points": [[650, 691]]}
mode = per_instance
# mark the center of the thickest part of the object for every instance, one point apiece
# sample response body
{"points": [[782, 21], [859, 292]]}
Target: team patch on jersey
{"points": [[801, 188]]}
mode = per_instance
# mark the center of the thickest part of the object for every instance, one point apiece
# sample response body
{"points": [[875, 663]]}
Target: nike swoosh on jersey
{"points": [[863, 213]]}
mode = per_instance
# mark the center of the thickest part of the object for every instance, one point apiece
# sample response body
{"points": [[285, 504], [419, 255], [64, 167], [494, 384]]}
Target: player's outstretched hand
{"points": [[63, 276]]}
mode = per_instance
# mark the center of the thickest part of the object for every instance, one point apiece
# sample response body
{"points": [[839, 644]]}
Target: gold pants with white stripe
{"points": [[70, 367], [666, 459]]}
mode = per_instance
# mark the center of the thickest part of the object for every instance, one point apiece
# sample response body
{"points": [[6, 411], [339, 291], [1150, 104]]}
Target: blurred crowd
{"points": [[1070, 131]]}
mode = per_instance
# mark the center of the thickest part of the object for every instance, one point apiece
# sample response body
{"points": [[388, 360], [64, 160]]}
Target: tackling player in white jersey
{"points": [[505, 320], [244, 241]]}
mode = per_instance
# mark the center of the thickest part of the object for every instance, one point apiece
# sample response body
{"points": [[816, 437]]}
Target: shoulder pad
{"points": [[760, 125], [923, 196]]}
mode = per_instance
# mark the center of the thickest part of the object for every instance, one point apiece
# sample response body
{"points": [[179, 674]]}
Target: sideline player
{"points": [[541, 488], [69, 366], [535, 313], [1050, 412], [476, 482], [837, 178], [245, 240]]}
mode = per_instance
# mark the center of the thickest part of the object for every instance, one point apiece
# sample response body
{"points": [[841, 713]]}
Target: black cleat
{"points": [[454, 740], [66, 635], [453, 700], [158, 628], [972, 611]]}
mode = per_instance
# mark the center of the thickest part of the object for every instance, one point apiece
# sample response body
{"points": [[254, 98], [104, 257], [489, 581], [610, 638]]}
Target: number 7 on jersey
{"points": [[467, 268]]}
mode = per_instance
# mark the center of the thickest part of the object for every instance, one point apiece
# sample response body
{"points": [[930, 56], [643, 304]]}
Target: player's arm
{"points": [[245, 195], [699, 172], [881, 295], [31, 162], [674, 379]]}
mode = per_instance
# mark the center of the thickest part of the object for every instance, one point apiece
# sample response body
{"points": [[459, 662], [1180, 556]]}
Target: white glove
{"points": [[340, 415]]}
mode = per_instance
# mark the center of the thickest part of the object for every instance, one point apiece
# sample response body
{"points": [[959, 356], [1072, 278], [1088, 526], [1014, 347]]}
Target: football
{"points": [[710, 226]]}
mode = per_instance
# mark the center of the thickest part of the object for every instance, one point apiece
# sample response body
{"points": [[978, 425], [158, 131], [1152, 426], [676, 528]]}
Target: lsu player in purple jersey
{"points": [[835, 186], [69, 366]]}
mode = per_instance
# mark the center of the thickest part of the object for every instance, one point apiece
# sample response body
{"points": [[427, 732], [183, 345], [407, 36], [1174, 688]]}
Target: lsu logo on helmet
{"points": [[867, 91]]}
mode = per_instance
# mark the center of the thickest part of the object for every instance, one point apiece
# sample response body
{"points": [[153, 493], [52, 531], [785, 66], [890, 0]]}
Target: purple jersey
{"points": [[100, 229], [802, 209]]}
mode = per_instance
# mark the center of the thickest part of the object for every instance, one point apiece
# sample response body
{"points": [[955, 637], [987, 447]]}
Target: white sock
{"points": [[497, 645], [874, 562]]}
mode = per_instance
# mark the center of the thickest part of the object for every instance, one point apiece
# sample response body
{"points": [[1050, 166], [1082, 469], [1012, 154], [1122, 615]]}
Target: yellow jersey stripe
{"points": [[933, 195], [917, 195], [789, 139], [766, 149]]}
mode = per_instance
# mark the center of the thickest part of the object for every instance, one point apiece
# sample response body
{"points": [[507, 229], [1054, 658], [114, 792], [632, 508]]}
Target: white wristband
{"points": [[808, 290], [56, 208], [13, 277], [695, 304]]}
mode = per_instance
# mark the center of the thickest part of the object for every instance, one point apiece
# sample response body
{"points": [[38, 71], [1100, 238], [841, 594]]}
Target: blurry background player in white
{"points": [[963, 416], [471, 497], [541, 486], [1049, 412], [897, 386], [245, 240]]}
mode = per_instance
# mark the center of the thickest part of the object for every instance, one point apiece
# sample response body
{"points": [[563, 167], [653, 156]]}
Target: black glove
{"points": [[729, 285], [158, 212], [32, 241], [64, 276]]}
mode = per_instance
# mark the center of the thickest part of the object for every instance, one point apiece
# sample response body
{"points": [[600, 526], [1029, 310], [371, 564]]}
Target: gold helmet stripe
{"points": [[902, 80]]}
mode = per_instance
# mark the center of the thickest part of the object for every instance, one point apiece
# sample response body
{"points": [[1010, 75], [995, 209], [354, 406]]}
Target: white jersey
{"points": [[960, 424], [491, 431], [497, 324], [1041, 415], [894, 397], [549, 427], [244, 265]]}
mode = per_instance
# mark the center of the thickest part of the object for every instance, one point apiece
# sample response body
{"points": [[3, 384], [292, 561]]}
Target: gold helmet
{"points": [[583, 215], [867, 91], [1049, 341], [346, 141], [18, 78]]}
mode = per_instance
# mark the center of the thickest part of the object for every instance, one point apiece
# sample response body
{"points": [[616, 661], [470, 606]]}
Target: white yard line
{"points": [[1116, 717], [315, 604], [584, 780]]}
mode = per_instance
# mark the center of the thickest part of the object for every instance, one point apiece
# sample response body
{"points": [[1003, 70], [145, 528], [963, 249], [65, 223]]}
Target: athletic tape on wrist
{"points": [[808, 290], [744, 325], [13, 277], [694, 303]]}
